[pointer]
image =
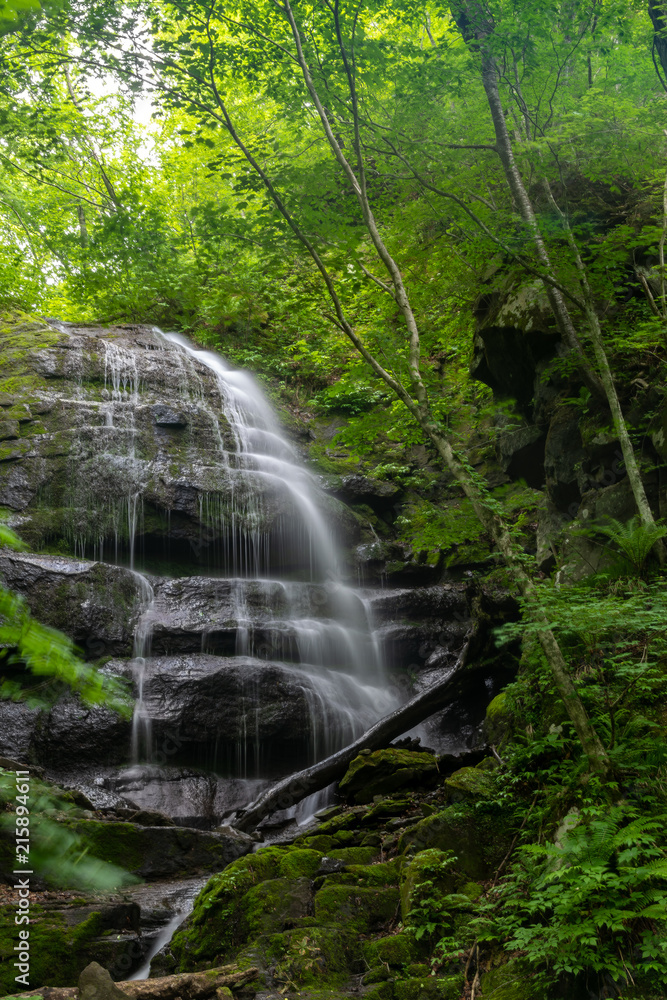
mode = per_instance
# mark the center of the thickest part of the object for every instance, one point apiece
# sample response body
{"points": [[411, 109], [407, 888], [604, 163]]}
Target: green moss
{"points": [[396, 950], [417, 989], [317, 843], [509, 982], [363, 910], [20, 337], [387, 873], [434, 865], [498, 723], [58, 953], [385, 771], [383, 991], [470, 783], [317, 956], [273, 905], [300, 863], [473, 890], [478, 837], [354, 855], [387, 807], [216, 926]]}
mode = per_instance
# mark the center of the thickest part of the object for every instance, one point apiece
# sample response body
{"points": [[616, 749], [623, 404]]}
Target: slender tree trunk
{"points": [[476, 27], [657, 10]]}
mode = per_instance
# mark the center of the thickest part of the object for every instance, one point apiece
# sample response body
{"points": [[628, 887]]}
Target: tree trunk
{"points": [[297, 786], [184, 986], [657, 10], [476, 26]]}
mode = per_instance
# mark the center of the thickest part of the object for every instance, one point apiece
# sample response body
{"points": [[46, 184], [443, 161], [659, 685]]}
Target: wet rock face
{"points": [[515, 334], [116, 444], [95, 604]]}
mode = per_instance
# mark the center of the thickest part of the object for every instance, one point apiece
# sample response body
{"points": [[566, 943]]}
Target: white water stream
{"points": [[322, 637]]}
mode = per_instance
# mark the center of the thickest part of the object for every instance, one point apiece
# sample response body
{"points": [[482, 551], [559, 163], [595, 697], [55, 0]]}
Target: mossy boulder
{"points": [[154, 852], [469, 783], [478, 838], [353, 855], [499, 719], [365, 910], [396, 950], [300, 863], [424, 988], [60, 946], [313, 956], [432, 865], [215, 928], [317, 842], [386, 873], [386, 771], [383, 991], [273, 905], [387, 807], [510, 982]]}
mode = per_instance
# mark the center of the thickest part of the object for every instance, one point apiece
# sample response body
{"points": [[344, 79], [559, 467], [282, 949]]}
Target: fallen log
{"points": [[95, 983], [297, 786], [189, 985]]}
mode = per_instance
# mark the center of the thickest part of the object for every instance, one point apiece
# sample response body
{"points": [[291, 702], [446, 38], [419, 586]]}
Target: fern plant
{"points": [[596, 903], [632, 542]]}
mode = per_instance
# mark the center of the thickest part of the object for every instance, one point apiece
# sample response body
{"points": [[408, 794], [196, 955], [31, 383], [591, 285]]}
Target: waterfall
{"points": [[313, 635], [141, 724]]}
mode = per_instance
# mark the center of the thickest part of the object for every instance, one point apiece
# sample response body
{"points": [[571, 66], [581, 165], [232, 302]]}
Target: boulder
{"points": [[95, 983], [563, 458], [95, 604], [515, 334], [159, 852], [479, 839], [239, 711], [385, 771]]}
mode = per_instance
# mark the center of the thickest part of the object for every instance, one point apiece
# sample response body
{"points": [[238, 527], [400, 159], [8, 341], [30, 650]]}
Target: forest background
{"points": [[321, 192]]}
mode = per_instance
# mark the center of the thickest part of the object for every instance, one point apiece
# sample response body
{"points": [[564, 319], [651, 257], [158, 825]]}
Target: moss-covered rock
{"points": [[432, 865], [499, 719], [386, 873], [353, 855], [386, 771], [215, 928], [362, 909], [317, 842], [469, 783], [424, 988], [158, 851], [62, 943], [274, 905], [397, 950], [510, 982], [314, 956], [479, 839], [300, 863], [386, 807], [382, 991]]}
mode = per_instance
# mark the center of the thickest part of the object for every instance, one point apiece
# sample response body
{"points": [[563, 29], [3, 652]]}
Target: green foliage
{"points": [[634, 543], [431, 911], [59, 856], [597, 901], [47, 653]]}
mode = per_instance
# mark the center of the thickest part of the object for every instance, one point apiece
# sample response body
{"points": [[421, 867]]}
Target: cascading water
{"points": [[314, 634], [141, 726]]}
